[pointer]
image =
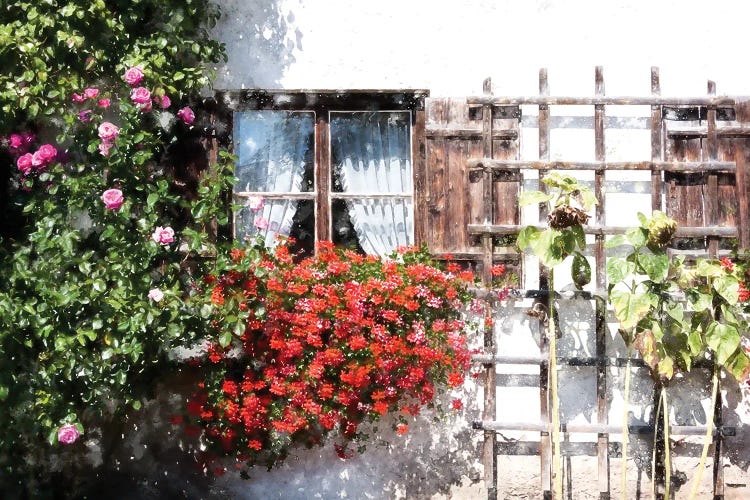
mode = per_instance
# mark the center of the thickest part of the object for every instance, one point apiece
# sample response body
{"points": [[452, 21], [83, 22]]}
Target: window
{"points": [[326, 166]]}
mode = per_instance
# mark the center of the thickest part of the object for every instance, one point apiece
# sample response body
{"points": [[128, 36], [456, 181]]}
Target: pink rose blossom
{"points": [[261, 223], [104, 148], [24, 163], [134, 76], [38, 160], [145, 108], [163, 235], [104, 103], [254, 203], [155, 294], [78, 98], [186, 115], [68, 434], [15, 140], [91, 93], [165, 102], [112, 199], [108, 132], [140, 95]]}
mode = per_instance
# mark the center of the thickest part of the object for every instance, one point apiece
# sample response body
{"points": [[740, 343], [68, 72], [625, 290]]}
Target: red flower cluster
{"points": [[326, 343]]}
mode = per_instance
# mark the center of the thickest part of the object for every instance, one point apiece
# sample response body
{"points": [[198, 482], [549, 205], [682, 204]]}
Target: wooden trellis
{"points": [[705, 183]]}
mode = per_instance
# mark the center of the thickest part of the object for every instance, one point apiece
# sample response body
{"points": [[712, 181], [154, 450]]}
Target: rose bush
{"points": [[302, 349], [83, 334]]}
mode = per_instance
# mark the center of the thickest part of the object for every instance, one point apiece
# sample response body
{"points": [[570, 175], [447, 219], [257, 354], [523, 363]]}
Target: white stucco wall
{"points": [[449, 48]]}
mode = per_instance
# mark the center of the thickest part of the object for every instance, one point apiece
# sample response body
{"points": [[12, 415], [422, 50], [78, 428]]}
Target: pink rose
{"points": [[186, 115], [165, 102], [104, 148], [155, 294], [24, 163], [15, 140], [163, 235], [91, 93], [68, 434], [44, 155], [261, 223], [140, 95], [134, 76], [145, 108], [254, 203], [104, 103], [78, 98], [112, 199], [38, 160], [108, 131]]}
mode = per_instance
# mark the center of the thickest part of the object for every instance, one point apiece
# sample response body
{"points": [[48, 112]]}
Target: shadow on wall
{"points": [[260, 40]]}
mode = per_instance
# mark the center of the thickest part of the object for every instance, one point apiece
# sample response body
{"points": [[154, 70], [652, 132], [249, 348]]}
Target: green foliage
{"points": [[90, 305], [672, 313], [568, 202]]}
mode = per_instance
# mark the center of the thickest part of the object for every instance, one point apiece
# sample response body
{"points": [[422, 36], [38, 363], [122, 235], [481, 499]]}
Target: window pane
{"points": [[371, 152], [275, 151], [291, 218], [371, 155]]}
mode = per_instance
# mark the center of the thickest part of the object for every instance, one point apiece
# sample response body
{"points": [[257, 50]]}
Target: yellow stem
{"points": [[551, 331], [709, 435], [653, 454], [625, 431], [667, 452]]}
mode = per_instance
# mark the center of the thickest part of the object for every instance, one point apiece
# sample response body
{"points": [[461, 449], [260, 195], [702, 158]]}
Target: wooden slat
{"points": [[656, 142], [666, 166], [419, 162], [323, 176], [601, 279], [603, 100], [741, 157], [702, 132], [545, 444], [711, 194], [450, 132], [682, 231], [437, 158], [490, 388]]}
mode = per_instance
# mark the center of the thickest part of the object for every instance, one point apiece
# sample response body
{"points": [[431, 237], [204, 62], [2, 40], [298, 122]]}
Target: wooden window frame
{"points": [[321, 103]]}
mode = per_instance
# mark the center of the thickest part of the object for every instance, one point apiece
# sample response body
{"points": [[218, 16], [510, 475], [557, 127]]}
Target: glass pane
{"points": [[275, 151], [293, 218], [371, 152]]}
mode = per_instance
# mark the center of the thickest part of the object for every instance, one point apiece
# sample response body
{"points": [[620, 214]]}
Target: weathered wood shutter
{"points": [[454, 133]]}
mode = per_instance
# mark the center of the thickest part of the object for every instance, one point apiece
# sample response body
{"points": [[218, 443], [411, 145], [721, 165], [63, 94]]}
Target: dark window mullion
{"points": [[322, 177]]}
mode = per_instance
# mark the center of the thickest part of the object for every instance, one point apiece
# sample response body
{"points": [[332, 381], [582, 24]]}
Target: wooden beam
{"points": [[469, 133], [419, 163], [545, 443], [323, 231], [670, 166], [711, 194], [600, 257], [603, 100], [657, 151], [682, 232], [702, 132]]}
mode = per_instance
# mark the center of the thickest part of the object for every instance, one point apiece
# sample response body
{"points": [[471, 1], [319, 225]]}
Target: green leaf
{"points": [[700, 301], [618, 268], [728, 287], [637, 236], [615, 241], [526, 236], [695, 342], [708, 268], [225, 338], [152, 199], [579, 236], [580, 271], [629, 308], [666, 367], [723, 340], [533, 198], [656, 266], [739, 366]]}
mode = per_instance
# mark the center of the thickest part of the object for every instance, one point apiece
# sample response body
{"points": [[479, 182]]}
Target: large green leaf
{"points": [[629, 308], [728, 287], [656, 266], [723, 340], [533, 198], [618, 268]]}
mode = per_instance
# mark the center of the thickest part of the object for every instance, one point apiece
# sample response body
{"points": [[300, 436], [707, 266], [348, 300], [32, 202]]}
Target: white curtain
{"points": [[275, 149], [372, 155]]}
